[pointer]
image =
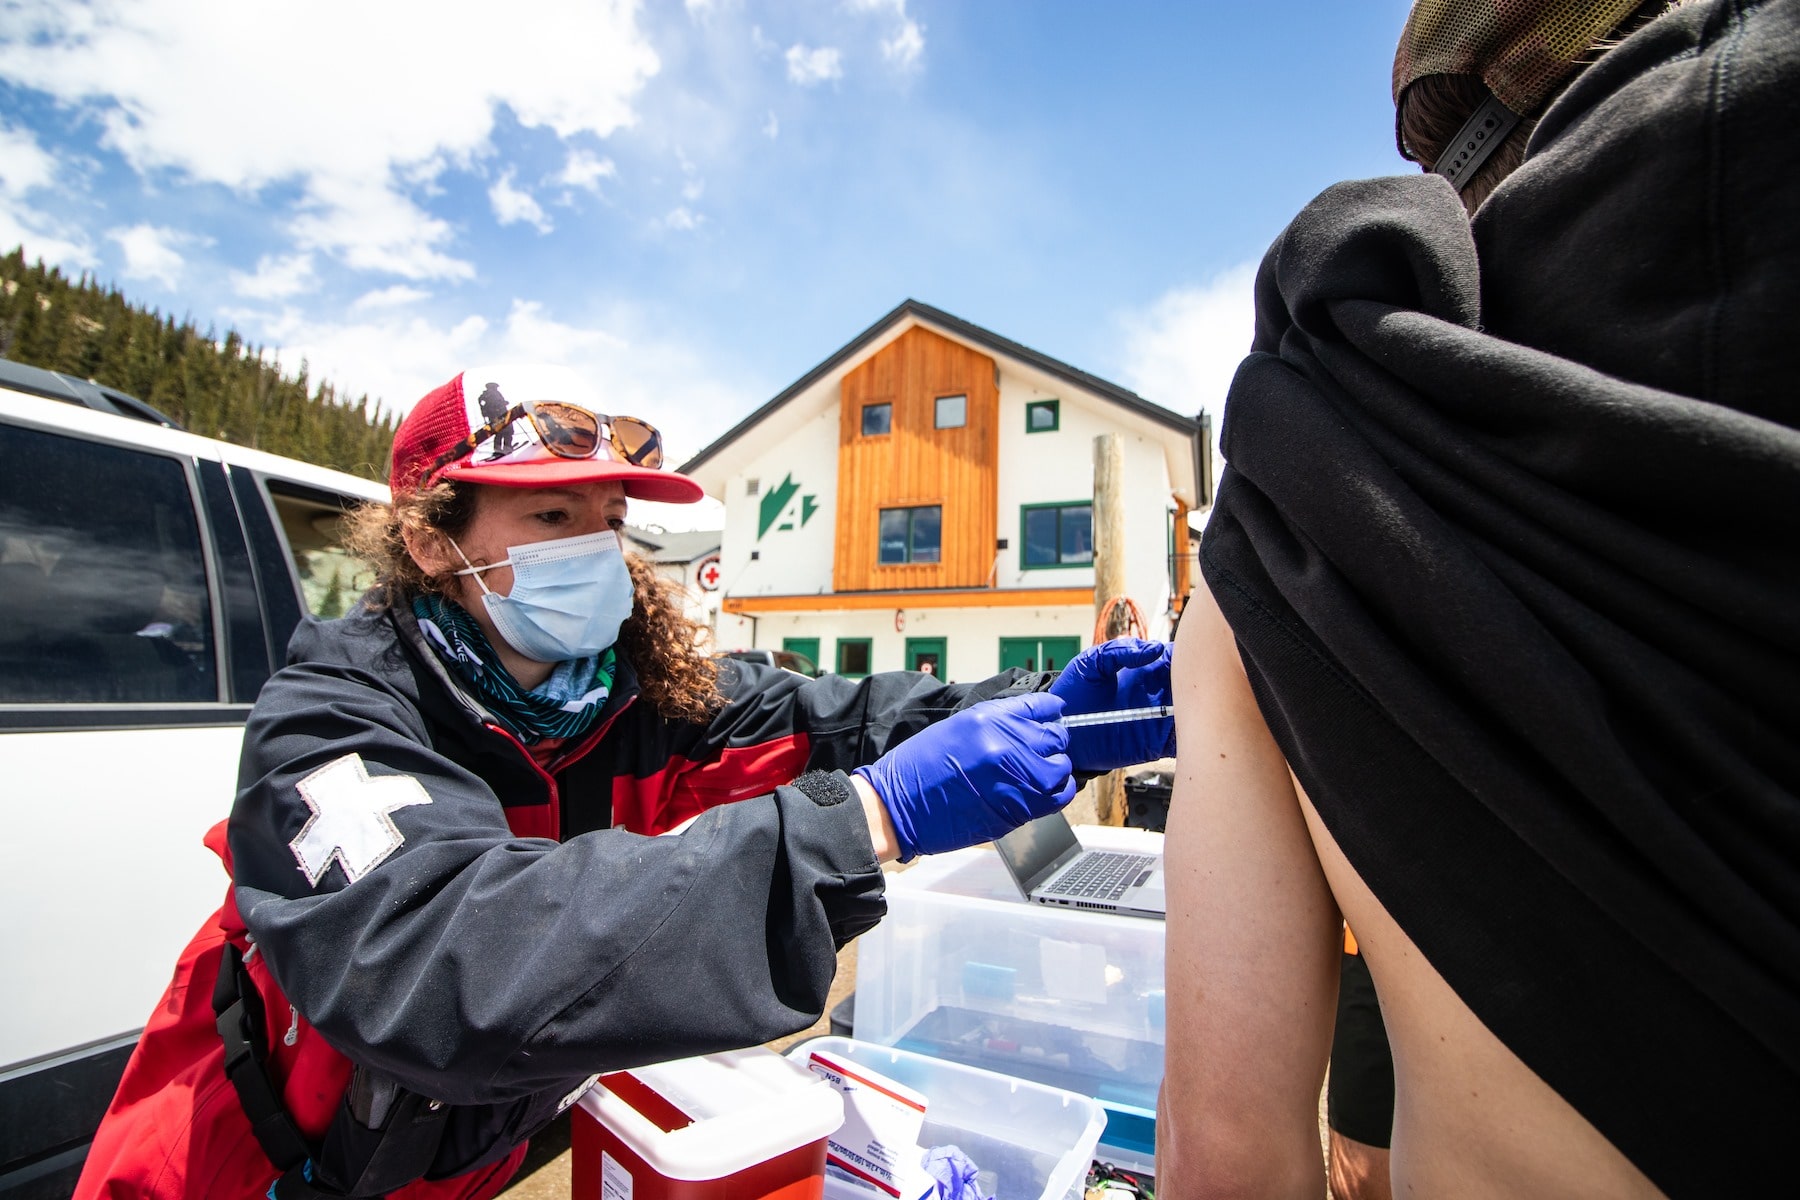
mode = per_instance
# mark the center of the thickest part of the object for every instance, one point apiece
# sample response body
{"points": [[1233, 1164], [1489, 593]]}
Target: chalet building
{"points": [[925, 496], [690, 559]]}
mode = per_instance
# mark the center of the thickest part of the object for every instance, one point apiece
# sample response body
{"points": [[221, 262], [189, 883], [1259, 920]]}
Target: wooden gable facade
{"points": [[916, 464]]}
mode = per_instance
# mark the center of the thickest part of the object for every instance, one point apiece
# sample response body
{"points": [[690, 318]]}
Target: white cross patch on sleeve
{"points": [[351, 822]]}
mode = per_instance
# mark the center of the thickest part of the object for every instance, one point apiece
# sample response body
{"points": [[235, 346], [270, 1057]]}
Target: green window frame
{"points": [[878, 419], [1071, 535], [847, 662], [936, 649], [910, 535], [1051, 407], [1038, 653], [805, 647]]}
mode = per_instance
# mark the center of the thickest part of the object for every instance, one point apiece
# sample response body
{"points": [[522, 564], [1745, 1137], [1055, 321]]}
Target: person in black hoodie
{"points": [[1498, 657]]}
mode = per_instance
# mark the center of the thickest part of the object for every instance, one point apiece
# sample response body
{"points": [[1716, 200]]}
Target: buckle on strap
{"points": [[239, 1010]]}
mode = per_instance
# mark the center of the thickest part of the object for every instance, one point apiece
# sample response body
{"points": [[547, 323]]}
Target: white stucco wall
{"points": [[1057, 467], [790, 561], [971, 635], [801, 443]]}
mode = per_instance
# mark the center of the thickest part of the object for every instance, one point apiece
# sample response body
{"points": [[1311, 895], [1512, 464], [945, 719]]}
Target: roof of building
{"points": [[968, 332], [680, 546]]}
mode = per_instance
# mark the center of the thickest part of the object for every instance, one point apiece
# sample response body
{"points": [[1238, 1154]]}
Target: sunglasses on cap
{"points": [[570, 431]]}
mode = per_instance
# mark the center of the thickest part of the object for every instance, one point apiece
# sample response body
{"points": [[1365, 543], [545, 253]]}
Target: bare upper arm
{"points": [[1252, 943]]}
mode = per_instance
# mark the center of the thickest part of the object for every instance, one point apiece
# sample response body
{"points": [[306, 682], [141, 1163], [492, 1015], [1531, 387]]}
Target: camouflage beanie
{"points": [[1523, 50]]}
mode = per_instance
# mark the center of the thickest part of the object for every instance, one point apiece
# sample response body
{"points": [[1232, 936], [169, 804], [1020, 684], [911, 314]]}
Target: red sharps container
{"points": [[743, 1125]]}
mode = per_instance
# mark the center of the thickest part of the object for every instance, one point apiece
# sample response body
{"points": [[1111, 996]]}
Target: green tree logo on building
{"points": [[784, 508]]}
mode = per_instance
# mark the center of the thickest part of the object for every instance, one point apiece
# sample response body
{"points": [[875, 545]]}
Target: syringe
{"points": [[1114, 716]]}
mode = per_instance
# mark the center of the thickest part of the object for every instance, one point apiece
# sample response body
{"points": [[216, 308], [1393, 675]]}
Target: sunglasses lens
{"points": [[637, 442], [566, 430]]}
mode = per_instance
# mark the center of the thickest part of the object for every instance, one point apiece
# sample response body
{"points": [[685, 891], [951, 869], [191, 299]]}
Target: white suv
{"points": [[149, 581]]}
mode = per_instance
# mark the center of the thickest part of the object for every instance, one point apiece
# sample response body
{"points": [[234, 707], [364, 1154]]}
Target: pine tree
{"points": [[214, 386]]}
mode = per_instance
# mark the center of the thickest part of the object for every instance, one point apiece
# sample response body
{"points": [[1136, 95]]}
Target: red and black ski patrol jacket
{"points": [[418, 897]]}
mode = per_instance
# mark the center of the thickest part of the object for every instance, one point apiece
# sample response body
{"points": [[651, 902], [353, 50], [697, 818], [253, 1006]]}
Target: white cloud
{"points": [[397, 358], [1182, 350], [807, 67], [26, 167], [374, 228], [584, 169], [682, 218], [398, 296], [275, 278], [153, 252], [24, 164], [232, 94], [772, 127], [512, 205], [906, 46], [44, 237]]}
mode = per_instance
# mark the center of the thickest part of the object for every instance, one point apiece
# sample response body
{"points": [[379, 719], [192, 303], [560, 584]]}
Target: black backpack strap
{"points": [[239, 1008], [382, 1137]]}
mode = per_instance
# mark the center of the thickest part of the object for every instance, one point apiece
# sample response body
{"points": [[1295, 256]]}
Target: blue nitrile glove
{"points": [[1122, 673], [953, 1173], [975, 775]]}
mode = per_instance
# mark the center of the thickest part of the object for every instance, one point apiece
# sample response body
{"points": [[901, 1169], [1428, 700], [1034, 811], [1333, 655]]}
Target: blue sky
{"points": [[694, 202]]}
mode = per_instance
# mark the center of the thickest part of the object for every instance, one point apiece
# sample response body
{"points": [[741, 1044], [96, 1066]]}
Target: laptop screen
{"points": [[1033, 850]]}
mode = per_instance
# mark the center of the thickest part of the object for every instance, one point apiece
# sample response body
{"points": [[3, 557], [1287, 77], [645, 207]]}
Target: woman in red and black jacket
{"points": [[445, 916]]}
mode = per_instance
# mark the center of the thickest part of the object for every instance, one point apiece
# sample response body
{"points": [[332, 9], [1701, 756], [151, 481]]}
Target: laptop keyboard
{"points": [[1102, 876]]}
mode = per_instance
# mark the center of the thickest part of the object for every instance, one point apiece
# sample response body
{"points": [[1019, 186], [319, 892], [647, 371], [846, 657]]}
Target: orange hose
{"points": [[1134, 625]]}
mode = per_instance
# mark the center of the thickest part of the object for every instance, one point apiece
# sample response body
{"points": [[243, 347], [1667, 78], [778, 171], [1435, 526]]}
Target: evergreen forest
{"points": [[217, 387]]}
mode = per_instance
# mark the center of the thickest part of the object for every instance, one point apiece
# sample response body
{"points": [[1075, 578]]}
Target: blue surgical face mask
{"points": [[569, 596]]}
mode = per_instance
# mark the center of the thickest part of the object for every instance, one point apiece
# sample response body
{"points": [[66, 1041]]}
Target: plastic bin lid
{"points": [[747, 1106]]}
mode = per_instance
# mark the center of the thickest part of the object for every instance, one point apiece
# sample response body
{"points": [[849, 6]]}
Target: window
{"points": [[952, 412], [910, 535], [103, 577], [877, 419], [1038, 653], [1057, 535], [1043, 416], [331, 578], [806, 648], [853, 656]]}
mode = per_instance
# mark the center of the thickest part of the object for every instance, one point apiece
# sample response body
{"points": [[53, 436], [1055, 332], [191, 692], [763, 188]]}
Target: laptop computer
{"points": [[1050, 867]]}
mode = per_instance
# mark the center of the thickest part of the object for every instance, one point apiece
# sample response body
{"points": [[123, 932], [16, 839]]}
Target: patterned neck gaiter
{"points": [[566, 705]]}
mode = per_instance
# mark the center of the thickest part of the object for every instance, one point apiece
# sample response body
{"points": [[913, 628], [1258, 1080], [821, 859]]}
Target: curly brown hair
{"points": [[676, 675]]}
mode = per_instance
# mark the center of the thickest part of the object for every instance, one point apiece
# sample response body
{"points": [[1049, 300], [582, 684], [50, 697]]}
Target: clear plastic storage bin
{"points": [[963, 969], [1030, 1141]]}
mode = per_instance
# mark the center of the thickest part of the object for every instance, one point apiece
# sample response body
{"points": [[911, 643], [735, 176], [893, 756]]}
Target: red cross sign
{"points": [[709, 574]]}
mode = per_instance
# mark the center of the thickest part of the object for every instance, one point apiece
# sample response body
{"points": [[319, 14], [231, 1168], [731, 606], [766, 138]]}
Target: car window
{"points": [[331, 578], [103, 578], [795, 662]]}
